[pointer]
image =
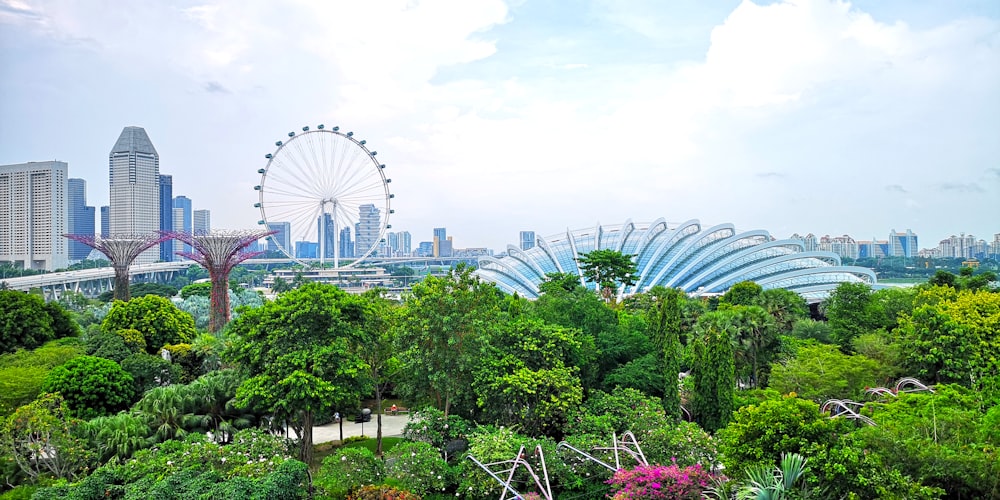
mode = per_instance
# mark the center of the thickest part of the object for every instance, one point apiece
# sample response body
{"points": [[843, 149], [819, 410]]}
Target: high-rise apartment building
{"points": [[135, 188], [902, 244], [202, 223], [33, 215], [105, 221], [392, 244], [527, 240], [368, 229], [178, 246], [80, 218], [167, 215], [282, 236], [405, 243]]}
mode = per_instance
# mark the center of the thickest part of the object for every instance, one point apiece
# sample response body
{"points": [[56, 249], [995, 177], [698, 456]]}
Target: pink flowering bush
{"points": [[661, 482]]}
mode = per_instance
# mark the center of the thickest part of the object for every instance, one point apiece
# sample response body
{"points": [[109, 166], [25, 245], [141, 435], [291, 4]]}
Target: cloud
{"points": [[216, 87], [896, 188], [961, 188], [993, 173], [770, 175]]}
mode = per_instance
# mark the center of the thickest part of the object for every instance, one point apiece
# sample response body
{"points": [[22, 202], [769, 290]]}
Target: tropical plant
{"points": [[775, 483], [91, 386]]}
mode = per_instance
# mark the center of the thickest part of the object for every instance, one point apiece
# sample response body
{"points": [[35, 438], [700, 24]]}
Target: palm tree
{"points": [[167, 410], [118, 435], [212, 396]]}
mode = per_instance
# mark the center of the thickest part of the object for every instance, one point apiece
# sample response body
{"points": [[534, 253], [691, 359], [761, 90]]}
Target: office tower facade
{"points": [[80, 218], [346, 244], [368, 229], [183, 221], [440, 235], [167, 215], [405, 243], [178, 245], [306, 250], [902, 244], [325, 235], [527, 240], [282, 236], [33, 215], [202, 222], [135, 188], [425, 249], [105, 221]]}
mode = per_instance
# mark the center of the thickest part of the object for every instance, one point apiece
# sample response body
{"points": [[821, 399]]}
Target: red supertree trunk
{"points": [[219, 253]]}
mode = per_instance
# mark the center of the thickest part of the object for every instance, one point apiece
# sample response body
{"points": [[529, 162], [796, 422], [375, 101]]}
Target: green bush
{"points": [[684, 444], [417, 467], [91, 386], [347, 470]]}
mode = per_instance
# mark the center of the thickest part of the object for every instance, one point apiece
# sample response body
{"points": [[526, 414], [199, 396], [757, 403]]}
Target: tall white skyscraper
{"points": [[405, 243], [33, 215], [368, 226], [202, 222], [135, 188]]}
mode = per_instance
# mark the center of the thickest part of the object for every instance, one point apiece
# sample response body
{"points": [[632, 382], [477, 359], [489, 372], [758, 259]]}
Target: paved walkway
{"points": [[392, 425]]}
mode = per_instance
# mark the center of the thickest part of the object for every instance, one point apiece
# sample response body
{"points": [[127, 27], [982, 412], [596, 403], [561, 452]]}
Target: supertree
{"points": [[121, 250], [219, 252]]}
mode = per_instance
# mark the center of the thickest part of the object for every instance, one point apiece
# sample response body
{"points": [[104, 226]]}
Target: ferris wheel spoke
{"points": [[323, 172], [290, 176]]}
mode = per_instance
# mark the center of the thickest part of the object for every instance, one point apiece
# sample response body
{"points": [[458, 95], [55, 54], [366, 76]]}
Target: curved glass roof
{"points": [[697, 260]]}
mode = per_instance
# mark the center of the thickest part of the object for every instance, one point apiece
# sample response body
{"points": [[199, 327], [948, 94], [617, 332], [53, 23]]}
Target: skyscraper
{"points": [[202, 222], [392, 244], [325, 236], [527, 240], [902, 244], [440, 236], [33, 215], [105, 221], [367, 229], [183, 221], [135, 188], [167, 215], [405, 243], [282, 237], [80, 217], [346, 245]]}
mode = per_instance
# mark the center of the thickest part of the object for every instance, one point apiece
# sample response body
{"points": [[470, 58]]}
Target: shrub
{"points": [[684, 444], [91, 386], [417, 467], [661, 482], [347, 470], [381, 493]]}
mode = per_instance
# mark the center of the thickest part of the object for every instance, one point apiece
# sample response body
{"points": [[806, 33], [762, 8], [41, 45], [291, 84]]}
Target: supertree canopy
{"points": [[121, 250], [219, 252]]}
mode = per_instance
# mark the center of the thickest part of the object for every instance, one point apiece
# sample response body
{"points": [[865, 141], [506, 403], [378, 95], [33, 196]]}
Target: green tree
{"points": [[197, 289], [822, 372], [91, 386], [714, 372], [158, 319], [41, 439], [119, 435], [744, 293], [22, 373], [785, 307], [150, 371], [952, 339], [850, 312], [377, 348], [608, 270], [448, 320], [298, 351], [665, 318], [168, 410], [756, 344], [24, 322]]}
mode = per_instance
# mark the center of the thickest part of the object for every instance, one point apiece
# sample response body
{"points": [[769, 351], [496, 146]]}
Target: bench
{"points": [[399, 410]]}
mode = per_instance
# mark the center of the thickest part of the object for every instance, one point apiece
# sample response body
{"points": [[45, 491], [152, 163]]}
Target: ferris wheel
{"points": [[323, 191]]}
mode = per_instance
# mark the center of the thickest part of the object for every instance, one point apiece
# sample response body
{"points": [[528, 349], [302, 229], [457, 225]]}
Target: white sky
{"points": [[801, 116]]}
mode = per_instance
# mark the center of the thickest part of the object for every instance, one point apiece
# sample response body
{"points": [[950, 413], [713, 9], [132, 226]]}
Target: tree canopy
{"points": [[608, 270]]}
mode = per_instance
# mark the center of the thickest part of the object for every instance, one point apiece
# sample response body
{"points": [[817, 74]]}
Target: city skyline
{"points": [[845, 118]]}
